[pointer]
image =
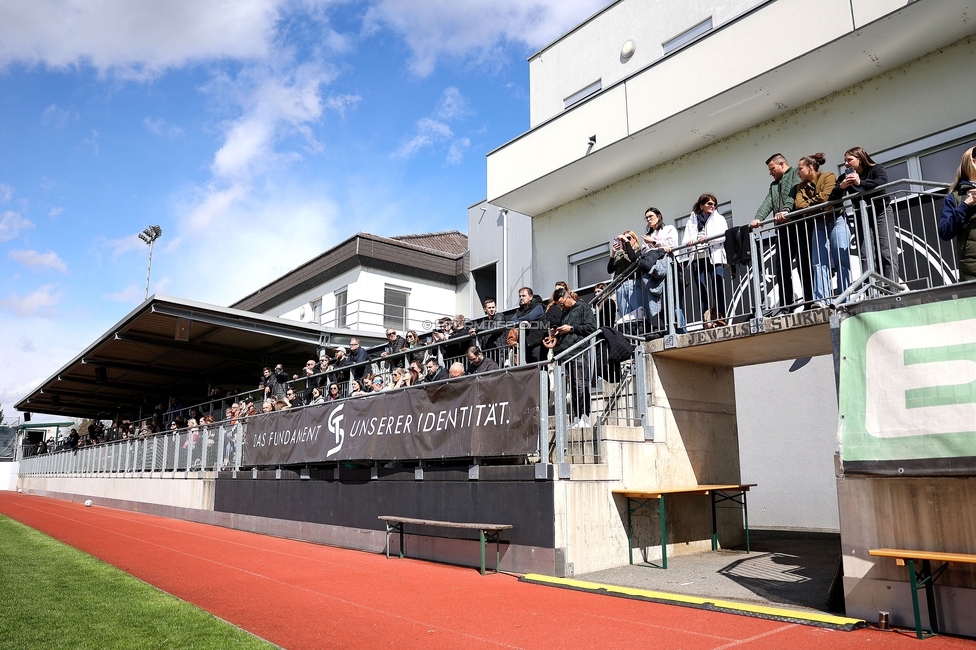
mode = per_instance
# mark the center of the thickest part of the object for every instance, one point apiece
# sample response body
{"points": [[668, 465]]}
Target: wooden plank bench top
{"points": [[689, 489], [925, 578], [447, 524], [902, 554]]}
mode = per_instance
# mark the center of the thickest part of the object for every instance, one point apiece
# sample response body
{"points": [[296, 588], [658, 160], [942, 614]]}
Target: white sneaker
{"points": [[575, 424], [584, 422]]}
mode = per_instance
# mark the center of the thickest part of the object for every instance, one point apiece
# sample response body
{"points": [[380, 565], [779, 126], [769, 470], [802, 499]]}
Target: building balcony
{"points": [[773, 59]]}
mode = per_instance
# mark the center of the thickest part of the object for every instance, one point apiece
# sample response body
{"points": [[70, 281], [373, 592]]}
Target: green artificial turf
{"points": [[55, 596]]}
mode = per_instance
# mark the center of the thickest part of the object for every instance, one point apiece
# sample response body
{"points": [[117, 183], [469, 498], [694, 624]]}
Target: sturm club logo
{"points": [[335, 428]]}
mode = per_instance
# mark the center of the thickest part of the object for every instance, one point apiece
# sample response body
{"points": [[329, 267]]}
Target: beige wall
{"points": [[197, 494], [910, 102], [695, 443]]}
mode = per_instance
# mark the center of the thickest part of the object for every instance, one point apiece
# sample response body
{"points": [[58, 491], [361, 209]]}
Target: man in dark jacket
{"points": [[394, 344], [434, 372], [357, 354], [478, 363], [578, 323], [533, 312], [792, 242], [492, 321], [273, 382]]}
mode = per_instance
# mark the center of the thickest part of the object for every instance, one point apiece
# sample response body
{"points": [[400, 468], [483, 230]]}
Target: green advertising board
{"points": [[908, 388]]}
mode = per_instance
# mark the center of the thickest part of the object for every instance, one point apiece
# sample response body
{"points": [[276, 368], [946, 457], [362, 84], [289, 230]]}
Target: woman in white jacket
{"points": [[707, 261]]}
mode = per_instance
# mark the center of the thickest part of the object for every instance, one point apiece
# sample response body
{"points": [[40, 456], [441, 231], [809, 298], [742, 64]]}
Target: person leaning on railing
{"points": [[958, 217], [658, 237], [830, 239], [707, 262], [624, 251], [779, 203], [861, 176], [532, 312], [579, 321]]}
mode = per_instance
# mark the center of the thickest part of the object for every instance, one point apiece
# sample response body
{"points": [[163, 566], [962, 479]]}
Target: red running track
{"points": [[301, 595]]}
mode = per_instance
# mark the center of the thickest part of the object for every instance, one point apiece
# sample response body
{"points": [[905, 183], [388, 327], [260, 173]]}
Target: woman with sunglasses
{"points": [[706, 262], [317, 397], [334, 393]]}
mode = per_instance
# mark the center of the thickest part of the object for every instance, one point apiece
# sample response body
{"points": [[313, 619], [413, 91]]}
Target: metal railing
{"points": [[369, 315], [826, 255], [591, 389]]}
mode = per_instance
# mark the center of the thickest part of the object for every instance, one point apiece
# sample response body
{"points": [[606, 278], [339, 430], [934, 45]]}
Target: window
{"points": [[395, 307], [580, 95], [341, 297], [688, 36], [589, 267], [317, 311], [934, 158]]}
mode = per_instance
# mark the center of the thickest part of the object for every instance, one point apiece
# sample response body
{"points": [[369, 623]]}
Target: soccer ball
{"points": [[88, 503]]}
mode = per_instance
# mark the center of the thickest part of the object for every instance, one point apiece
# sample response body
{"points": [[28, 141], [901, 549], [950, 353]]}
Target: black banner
{"points": [[491, 415]]}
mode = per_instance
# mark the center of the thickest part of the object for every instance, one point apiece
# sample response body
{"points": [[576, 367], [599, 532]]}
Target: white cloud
{"points": [[121, 245], [455, 154], [36, 303], [6, 192], [342, 103], [429, 132], [474, 30], [92, 141], [131, 294], [135, 39], [57, 117], [11, 225], [159, 126], [41, 261], [452, 105], [55, 211]]}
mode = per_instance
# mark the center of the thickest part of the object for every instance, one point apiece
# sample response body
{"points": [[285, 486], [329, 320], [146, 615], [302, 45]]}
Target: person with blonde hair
{"points": [[957, 218], [624, 251]]}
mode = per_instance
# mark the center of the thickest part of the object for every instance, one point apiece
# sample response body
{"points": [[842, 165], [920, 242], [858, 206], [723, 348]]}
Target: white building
{"points": [[368, 283], [652, 104]]}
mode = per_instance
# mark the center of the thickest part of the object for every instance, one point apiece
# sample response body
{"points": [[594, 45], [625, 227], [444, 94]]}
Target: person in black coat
{"points": [[861, 177]]}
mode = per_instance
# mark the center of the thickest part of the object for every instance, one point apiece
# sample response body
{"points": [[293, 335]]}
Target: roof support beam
{"points": [[269, 329]]}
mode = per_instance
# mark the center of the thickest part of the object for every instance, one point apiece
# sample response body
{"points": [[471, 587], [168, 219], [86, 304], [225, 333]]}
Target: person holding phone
{"points": [[625, 249], [958, 217], [861, 178]]}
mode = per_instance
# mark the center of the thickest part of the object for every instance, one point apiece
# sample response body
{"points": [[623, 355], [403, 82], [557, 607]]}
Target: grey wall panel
{"points": [[787, 421], [527, 505]]}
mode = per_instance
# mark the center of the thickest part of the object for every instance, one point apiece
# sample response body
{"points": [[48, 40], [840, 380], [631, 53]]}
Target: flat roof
{"points": [[172, 347]]}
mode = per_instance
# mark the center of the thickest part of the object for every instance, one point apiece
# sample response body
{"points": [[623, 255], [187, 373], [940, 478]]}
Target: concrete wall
{"points": [[592, 51], [196, 494], [506, 241], [8, 475], [910, 102], [787, 421], [695, 443], [934, 514]]}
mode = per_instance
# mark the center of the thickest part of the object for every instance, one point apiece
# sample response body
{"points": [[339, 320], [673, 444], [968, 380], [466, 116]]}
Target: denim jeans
{"points": [[630, 296], [830, 250]]}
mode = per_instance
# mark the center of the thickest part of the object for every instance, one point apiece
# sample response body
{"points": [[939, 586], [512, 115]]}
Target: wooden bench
{"points": [[654, 500], [488, 533], [924, 578]]}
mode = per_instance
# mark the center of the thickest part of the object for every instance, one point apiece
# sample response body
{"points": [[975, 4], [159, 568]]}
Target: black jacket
{"points": [[535, 313], [580, 317], [870, 179]]}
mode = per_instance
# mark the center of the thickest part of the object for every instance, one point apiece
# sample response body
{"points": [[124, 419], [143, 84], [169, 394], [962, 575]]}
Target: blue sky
{"points": [[256, 133]]}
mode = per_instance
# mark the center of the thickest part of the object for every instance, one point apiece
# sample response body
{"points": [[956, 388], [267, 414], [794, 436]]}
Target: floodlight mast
{"points": [[149, 236]]}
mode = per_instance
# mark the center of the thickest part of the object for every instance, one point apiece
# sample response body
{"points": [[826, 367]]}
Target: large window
{"points": [[395, 307], [589, 267], [934, 158], [341, 303]]}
